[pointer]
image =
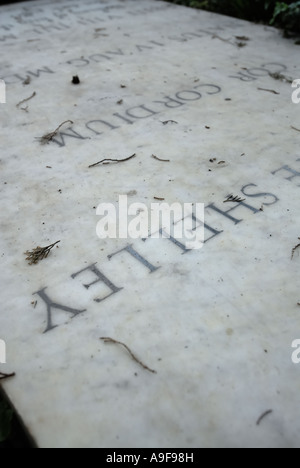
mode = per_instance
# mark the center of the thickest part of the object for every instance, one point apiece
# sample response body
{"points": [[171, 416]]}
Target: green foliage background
{"points": [[284, 14]]}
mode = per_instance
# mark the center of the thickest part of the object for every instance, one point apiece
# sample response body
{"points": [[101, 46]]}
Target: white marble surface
{"points": [[216, 324]]}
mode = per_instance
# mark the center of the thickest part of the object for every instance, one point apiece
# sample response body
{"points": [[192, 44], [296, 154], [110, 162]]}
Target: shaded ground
{"points": [[17, 436], [285, 15]]}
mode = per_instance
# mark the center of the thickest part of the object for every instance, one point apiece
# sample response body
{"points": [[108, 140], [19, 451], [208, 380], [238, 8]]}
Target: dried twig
{"points": [[109, 161], [6, 376], [268, 90], [158, 159], [233, 199], [44, 140], [25, 100], [294, 128], [294, 249], [166, 122], [39, 253], [242, 38], [263, 416], [111, 340], [215, 36], [280, 77]]}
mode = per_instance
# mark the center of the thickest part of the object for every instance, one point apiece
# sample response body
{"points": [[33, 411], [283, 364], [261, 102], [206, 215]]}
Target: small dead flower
{"points": [[39, 253], [281, 77], [44, 140]]}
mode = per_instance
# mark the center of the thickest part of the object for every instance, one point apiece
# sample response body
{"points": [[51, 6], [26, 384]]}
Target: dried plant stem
{"points": [[294, 128], [294, 249], [158, 159], [49, 136], [281, 77], [166, 122], [6, 376], [39, 253], [268, 90], [215, 36], [111, 340], [25, 100], [109, 161], [263, 416]]}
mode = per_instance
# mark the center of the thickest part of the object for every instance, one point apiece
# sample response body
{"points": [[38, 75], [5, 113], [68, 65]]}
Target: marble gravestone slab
{"points": [[212, 95]]}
